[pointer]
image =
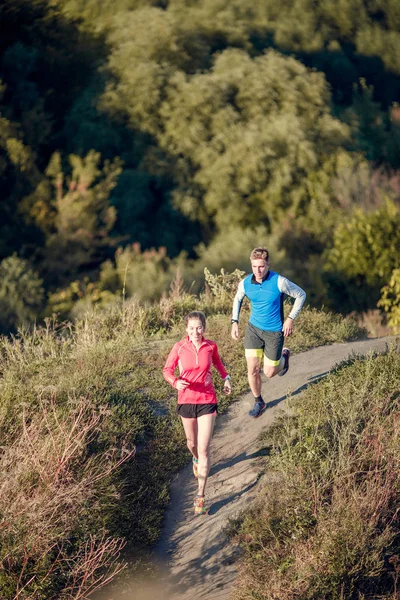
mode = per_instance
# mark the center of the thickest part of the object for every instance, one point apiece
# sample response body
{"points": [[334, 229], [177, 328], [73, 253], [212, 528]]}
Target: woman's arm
{"points": [[219, 365], [170, 366], [217, 362]]}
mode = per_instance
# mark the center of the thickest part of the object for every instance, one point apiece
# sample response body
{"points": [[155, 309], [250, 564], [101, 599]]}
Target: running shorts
{"points": [[192, 411], [259, 343]]}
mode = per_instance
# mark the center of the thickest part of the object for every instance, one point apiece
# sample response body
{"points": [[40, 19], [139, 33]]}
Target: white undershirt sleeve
{"points": [[294, 291], [237, 302]]}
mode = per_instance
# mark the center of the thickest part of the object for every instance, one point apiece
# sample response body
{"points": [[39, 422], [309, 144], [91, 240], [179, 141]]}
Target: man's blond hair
{"points": [[259, 252]]}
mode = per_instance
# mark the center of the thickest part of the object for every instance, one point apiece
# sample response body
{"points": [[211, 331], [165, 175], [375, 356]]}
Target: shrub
{"points": [[390, 300], [21, 293], [223, 286]]}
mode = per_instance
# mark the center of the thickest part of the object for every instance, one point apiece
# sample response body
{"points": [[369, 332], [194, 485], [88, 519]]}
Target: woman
{"points": [[197, 402]]}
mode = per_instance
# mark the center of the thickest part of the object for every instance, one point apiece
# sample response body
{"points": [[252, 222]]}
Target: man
{"points": [[266, 330]]}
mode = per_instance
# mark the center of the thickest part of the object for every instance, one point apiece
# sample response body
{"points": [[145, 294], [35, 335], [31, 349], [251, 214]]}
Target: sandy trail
{"points": [[196, 560]]}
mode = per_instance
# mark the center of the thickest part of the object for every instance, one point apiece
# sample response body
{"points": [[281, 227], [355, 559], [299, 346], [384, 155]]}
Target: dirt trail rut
{"points": [[196, 560]]}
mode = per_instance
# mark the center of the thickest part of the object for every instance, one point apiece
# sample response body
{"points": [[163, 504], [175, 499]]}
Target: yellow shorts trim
{"points": [[254, 353], [271, 363], [259, 353]]}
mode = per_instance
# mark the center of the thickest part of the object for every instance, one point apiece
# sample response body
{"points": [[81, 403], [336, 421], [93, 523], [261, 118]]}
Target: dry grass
{"points": [[328, 528], [49, 481], [375, 323]]}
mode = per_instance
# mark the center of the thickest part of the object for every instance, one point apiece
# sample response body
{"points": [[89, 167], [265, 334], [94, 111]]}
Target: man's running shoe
{"points": [[195, 467], [286, 355], [257, 409], [199, 505]]}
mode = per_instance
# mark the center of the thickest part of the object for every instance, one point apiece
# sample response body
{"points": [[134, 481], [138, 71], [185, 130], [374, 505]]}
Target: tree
{"points": [[365, 251], [74, 212], [21, 293], [17, 172], [137, 93], [246, 136]]}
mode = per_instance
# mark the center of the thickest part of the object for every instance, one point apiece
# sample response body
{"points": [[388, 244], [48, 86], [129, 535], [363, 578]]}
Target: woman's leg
{"points": [[205, 428], [190, 427]]}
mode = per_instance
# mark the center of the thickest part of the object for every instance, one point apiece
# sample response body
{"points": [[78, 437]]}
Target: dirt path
{"points": [[196, 561]]}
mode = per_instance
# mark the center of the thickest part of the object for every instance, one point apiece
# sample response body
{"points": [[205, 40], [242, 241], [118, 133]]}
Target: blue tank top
{"points": [[266, 302]]}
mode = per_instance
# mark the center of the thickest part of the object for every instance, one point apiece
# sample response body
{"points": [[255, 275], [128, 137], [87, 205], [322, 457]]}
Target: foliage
{"points": [[231, 115], [16, 166], [390, 300], [247, 153], [74, 212], [223, 286], [141, 90], [78, 298], [364, 253], [21, 293], [230, 250], [326, 525], [144, 275], [150, 275]]}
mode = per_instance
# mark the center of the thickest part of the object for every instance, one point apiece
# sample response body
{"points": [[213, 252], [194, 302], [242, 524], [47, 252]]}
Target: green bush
{"points": [[390, 300], [21, 293], [365, 251]]}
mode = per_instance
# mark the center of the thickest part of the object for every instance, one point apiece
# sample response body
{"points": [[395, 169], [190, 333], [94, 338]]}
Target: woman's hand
{"points": [[181, 384], [227, 387]]}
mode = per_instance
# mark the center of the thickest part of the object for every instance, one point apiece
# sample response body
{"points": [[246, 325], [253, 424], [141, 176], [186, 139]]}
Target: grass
{"points": [[91, 441], [326, 526]]}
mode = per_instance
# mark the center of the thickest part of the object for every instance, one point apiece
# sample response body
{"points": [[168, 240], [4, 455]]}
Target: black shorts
{"points": [[268, 343], [192, 411]]}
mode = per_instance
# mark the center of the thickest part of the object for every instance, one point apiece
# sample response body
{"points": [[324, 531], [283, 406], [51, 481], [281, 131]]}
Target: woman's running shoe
{"points": [[195, 467], [286, 355], [199, 505]]}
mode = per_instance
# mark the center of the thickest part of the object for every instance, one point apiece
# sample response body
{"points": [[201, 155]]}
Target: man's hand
{"points": [[235, 331], [288, 327]]}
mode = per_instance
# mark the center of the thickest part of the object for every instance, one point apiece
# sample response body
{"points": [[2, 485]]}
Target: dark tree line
{"points": [[195, 126]]}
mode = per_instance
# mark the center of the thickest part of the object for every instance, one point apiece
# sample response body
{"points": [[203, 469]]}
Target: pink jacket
{"points": [[195, 367]]}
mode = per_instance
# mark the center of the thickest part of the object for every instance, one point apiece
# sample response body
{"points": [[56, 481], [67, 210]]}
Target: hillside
{"points": [[197, 558], [91, 440]]}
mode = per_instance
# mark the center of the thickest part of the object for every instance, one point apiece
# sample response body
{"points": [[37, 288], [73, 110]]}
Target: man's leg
{"points": [[283, 365], [254, 376], [272, 370], [254, 351], [253, 373], [276, 358]]}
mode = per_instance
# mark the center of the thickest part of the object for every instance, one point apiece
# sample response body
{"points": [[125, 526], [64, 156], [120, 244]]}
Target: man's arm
{"points": [[294, 291], [237, 304]]}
